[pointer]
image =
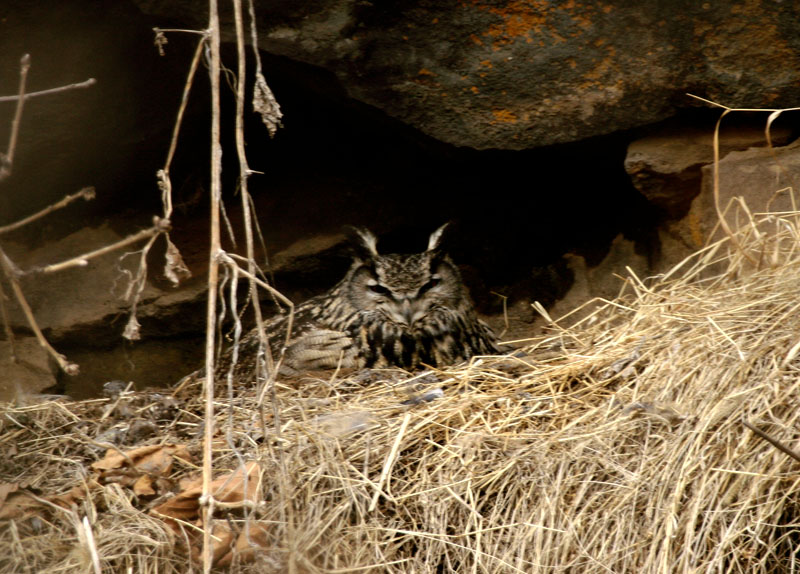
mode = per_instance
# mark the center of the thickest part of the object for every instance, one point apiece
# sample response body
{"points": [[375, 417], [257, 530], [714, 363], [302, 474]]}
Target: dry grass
{"points": [[614, 445]]}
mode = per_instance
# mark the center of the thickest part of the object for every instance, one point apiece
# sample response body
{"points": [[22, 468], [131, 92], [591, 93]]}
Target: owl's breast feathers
{"points": [[392, 310], [442, 337]]}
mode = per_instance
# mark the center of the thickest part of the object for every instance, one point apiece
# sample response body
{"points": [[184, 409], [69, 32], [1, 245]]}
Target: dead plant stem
{"points": [[7, 325], [86, 193], [184, 102], [7, 160], [11, 274], [80, 85], [213, 279], [159, 226]]}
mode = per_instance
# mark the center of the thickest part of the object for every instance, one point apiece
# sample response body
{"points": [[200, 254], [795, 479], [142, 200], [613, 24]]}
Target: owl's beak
{"points": [[403, 312], [406, 312]]}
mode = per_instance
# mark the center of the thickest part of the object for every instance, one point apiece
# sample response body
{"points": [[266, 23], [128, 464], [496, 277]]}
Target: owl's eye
{"points": [[378, 289], [434, 281]]}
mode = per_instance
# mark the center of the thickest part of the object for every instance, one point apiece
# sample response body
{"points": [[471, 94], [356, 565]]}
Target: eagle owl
{"points": [[388, 310]]}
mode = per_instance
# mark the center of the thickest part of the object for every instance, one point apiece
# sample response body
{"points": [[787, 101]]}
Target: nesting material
{"points": [[612, 445]]}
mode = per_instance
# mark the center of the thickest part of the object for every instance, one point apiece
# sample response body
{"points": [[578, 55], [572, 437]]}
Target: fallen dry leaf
{"points": [[7, 488], [221, 542], [154, 459], [21, 504], [144, 486], [227, 488], [18, 504], [255, 538]]}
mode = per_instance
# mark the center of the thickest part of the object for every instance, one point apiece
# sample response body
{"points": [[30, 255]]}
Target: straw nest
{"points": [[616, 444]]}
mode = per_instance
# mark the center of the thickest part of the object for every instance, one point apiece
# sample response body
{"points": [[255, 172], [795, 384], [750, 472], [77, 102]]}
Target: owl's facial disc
{"points": [[404, 308]]}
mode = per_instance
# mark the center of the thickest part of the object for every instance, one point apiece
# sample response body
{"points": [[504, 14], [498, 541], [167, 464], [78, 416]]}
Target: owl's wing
{"points": [[316, 348]]}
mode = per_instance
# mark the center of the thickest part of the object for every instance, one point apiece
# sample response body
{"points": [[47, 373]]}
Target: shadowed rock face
{"points": [[514, 75]]}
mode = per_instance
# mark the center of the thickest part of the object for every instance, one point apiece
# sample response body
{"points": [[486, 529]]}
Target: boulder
{"points": [[25, 371], [665, 166], [516, 75], [763, 179]]}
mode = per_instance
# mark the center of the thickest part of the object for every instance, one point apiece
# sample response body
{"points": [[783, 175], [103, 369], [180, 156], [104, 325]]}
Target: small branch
{"points": [[11, 274], [774, 442], [213, 279], [80, 85], [7, 159], [86, 193], [184, 100], [230, 259], [244, 174], [180, 30], [134, 291], [159, 226], [7, 325]]}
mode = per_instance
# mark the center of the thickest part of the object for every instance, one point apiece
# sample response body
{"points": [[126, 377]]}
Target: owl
{"points": [[388, 310]]}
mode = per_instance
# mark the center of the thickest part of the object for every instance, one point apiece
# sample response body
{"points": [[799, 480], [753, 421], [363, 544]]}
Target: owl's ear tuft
{"points": [[435, 240], [365, 244]]}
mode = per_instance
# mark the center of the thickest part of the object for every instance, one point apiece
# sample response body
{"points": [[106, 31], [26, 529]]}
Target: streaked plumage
{"points": [[388, 310]]}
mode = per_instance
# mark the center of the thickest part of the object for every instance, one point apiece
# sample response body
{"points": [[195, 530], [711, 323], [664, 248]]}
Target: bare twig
{"points": [[180, 30], [80, 85], [774, 442], [174, 267], [244, 170], [207, 500], [230, 259], [11, 274], [7, 159], [7, 325], [159, 226], [86, 193], [184, 101], [715, 104]]}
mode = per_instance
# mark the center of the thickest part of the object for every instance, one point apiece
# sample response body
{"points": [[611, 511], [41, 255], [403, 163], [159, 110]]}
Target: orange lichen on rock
{"points": [[528, 20], [504, 116]]}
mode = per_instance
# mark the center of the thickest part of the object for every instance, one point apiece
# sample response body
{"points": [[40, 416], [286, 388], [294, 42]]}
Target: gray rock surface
{"points": [[516, 75], [764, 179], [665, 166]]}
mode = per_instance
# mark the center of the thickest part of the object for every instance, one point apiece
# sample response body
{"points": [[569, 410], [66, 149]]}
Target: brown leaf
{"points": [[249, 542], [230, 488], [19, 504], [221, 541], [7, 488], [178, 507], [144, 486], [73, 496], [153, 459], [227, 488]]}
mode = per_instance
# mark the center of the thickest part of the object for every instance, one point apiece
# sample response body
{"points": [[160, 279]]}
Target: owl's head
{"points": [[403, 288]]}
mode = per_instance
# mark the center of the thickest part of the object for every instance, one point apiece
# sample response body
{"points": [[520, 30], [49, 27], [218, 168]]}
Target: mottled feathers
{"points": [[388, 310]]}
